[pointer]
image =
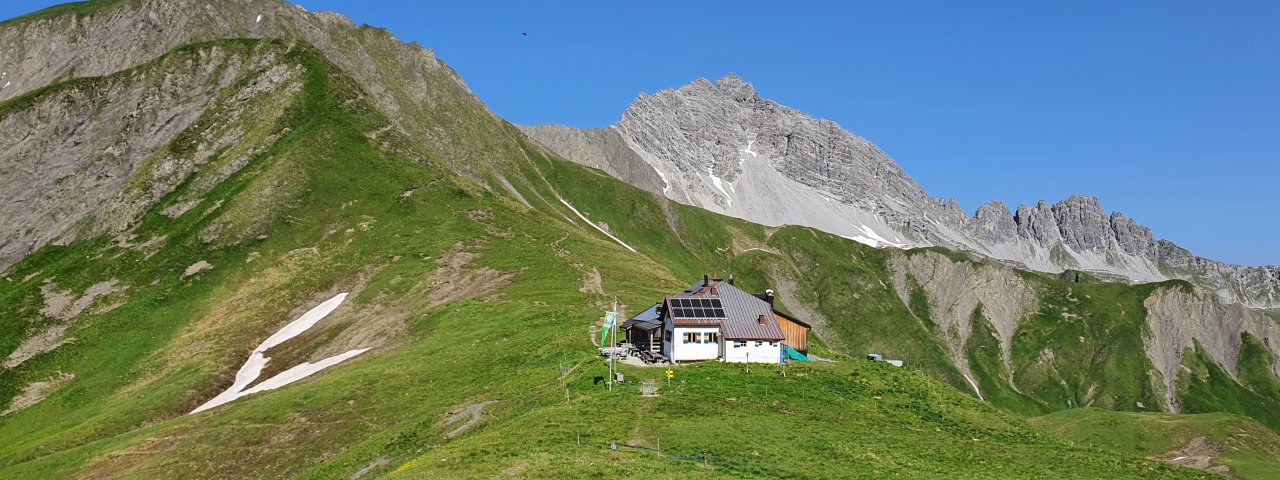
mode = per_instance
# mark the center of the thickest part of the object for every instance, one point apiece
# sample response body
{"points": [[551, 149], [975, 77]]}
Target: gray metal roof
{"points": [[745, 316], [646, 320]]}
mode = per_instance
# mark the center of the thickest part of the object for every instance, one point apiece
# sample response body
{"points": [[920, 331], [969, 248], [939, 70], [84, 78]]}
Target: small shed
{"points": [[644, 330]]}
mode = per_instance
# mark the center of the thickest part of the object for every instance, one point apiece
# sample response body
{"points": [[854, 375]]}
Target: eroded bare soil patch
{"points": [[453, 283], [37, 391], [1199, 454]]}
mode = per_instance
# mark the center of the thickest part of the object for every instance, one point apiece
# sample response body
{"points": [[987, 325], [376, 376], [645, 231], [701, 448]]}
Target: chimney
{"points": [[768, 296], [731, 278], [761, 320], [706, 280]]}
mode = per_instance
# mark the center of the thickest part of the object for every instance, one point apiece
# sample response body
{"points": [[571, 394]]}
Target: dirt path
{"points": [[592, 283], [474, 411]]}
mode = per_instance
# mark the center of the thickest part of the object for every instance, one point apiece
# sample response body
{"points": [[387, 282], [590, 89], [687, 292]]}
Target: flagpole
{"points": [[612, 349]]}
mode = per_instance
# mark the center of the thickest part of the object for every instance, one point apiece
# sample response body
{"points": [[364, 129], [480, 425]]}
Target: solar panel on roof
{"points": [[708, 308]]}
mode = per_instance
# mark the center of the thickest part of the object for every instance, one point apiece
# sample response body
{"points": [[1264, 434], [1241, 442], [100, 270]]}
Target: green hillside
{"points": [[1249, 449]]}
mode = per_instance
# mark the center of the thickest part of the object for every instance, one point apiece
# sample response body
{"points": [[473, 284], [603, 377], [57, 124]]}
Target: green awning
{"points": [[792, 354]]}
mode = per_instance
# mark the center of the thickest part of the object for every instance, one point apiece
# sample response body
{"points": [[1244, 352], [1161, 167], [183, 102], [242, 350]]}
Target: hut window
{"points": [[713, 337], [739, 343], [690, 337]]}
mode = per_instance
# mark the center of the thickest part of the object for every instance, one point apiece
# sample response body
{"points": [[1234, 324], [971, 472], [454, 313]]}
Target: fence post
{"points": [[704, 459]]}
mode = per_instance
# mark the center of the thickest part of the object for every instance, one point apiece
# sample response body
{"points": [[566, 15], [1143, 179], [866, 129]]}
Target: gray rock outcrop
{"points": [[601, 148], [1179, 317], [993, 224], [955, 291], [1133, 238], [70, 152]]}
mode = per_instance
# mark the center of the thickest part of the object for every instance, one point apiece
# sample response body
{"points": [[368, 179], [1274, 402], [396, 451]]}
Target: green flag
{"points": [[610, 318]]}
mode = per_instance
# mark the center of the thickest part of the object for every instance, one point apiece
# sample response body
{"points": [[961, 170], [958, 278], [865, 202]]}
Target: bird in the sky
{"points": [[524, 33]]}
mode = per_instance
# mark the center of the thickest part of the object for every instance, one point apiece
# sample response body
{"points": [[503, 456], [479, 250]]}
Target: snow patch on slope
{"points": [[597, 227], [719, 184], [869, 237], [666, 184], [258, 360], [975, 387]]}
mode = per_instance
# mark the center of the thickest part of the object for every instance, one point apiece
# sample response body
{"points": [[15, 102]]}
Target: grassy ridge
{"points": [[1250, 449], [1083, 347], [1204, 386], [861, 419]]}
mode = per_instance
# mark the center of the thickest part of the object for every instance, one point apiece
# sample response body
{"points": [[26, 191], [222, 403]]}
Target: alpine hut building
{"points": [[715, 320]]}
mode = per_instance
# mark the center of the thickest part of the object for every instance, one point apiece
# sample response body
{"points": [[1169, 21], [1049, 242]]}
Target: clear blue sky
{"points": [[1168, 111]]}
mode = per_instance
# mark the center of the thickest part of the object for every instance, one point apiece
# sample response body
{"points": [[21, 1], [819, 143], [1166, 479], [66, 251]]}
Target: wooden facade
{"points": [[795, 331]]}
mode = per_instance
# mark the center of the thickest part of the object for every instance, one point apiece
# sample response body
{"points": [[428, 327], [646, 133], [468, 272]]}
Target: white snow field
{"points": [[257, 361]]}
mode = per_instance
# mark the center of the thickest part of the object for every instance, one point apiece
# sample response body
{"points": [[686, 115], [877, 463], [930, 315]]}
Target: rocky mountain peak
{"points": [[1133, 238], [1082, 223], [1038, 223], [734, 88], [993, 223]]}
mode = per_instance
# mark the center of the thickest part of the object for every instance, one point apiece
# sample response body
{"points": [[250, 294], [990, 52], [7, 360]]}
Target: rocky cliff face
{"points": [[423, 97], [66, 158], [956, 290], [37, 50], [1180, 318], [722, 147], [602, 148]]}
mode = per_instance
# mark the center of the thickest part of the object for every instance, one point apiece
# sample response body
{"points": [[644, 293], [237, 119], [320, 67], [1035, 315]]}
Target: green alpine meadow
{"points": [[253, 241]]}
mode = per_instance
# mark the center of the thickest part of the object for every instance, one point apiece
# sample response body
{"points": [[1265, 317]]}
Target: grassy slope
{"points": [[1204, 386], [177, 340], [1250, 449], [87, 7], [1094, 333], [1274, 314]]}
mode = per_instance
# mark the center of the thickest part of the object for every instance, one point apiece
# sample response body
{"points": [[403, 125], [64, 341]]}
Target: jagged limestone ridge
{"points": [[702, 137]]}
